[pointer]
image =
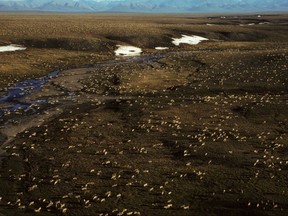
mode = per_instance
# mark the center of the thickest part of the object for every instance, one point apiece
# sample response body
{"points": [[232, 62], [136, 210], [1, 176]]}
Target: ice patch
{"points": [[161, 48], [11, 48], [128, 51], [192, 40], [264, 23]]}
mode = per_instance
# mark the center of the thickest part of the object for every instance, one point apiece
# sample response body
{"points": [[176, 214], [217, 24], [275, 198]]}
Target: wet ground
{"points": [[200, 131]]}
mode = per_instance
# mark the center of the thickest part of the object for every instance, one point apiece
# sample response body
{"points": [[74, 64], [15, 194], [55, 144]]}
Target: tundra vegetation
{"points": [[181, 130]]}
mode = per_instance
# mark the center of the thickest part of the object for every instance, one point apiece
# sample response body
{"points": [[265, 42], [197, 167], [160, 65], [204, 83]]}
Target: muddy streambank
{"points": [[196, 132], [29, 99]]}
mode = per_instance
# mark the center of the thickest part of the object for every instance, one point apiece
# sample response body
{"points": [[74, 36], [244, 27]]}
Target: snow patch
{"points": [[11, 48], [192, 40], [264, 23], [161, 48], [128, 51]]}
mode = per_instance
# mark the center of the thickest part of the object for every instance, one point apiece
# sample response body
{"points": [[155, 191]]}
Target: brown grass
{"points": [[58, 41]]}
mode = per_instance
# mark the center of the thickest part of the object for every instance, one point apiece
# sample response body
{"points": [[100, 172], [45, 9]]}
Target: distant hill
{"points": [[146, 6]]}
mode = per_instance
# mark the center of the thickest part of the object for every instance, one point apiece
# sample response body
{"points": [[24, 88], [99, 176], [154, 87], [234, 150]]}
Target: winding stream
{"points": [[23, 98], [21, 90], [32, 102]]}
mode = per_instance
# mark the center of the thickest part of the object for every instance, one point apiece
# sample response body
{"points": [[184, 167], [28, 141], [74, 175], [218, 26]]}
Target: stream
{"points": [[21, 90], [17, 99]]}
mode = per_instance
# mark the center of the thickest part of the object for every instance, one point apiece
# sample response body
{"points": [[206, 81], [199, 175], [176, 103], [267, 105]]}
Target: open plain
{"points": [[190, 130]]}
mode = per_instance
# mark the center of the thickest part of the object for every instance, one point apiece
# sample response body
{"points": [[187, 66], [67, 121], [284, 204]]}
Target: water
{"points": [[21, 90]]}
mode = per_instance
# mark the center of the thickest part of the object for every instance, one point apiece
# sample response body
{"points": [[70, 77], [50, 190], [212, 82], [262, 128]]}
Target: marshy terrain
{"points": [[180, 130]]}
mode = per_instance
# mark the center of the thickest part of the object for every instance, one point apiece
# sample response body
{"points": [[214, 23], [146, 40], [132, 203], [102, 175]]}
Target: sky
{"points": [[145, 5]]}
